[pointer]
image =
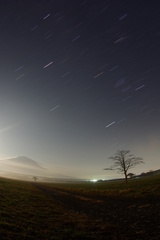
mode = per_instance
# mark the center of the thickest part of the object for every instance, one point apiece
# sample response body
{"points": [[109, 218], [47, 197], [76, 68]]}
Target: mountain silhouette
{"points": [[22, 160]]}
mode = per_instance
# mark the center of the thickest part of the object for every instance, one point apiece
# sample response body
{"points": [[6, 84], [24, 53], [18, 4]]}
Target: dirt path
{"points": [[137, 218]]}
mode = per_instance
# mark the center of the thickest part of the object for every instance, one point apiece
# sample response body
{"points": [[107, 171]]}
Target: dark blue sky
{"points": [[80, 80]]}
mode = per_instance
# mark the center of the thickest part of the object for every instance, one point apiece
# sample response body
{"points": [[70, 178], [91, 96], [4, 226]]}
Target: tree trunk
{"points": [[126, 178]]}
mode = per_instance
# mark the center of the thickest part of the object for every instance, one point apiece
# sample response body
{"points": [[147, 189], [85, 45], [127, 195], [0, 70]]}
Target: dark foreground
{"points": [[57, 212]]}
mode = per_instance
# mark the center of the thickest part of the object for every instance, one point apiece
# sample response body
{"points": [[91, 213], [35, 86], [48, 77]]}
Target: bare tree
{"points": [[123, 161], [35, 178]]}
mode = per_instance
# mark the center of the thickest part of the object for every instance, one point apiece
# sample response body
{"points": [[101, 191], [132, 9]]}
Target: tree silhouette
{"points": [[35, 178], [130, 175], [123, 161]]}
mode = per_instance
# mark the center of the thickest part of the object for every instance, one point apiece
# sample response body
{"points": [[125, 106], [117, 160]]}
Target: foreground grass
{"points": [[27, 213]]}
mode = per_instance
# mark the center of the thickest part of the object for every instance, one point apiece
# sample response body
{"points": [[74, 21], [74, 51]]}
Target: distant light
{"points": [[93, 180]]}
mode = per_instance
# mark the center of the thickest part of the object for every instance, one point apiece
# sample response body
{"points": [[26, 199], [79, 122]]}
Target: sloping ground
{"points": [[127, 218], [40, 211]]}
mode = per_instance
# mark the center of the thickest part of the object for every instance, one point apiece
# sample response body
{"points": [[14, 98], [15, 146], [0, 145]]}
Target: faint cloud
{"points": [[9, 127]]}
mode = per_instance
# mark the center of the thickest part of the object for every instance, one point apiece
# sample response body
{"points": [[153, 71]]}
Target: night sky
{"points": [[79, 80]]}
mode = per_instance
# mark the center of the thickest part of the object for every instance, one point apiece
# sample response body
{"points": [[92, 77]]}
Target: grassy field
{"points": [[29, 210], [135, 187]]}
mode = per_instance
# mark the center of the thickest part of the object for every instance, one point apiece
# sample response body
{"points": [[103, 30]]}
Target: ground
{"points": [[87, 211], [114, 217]]}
